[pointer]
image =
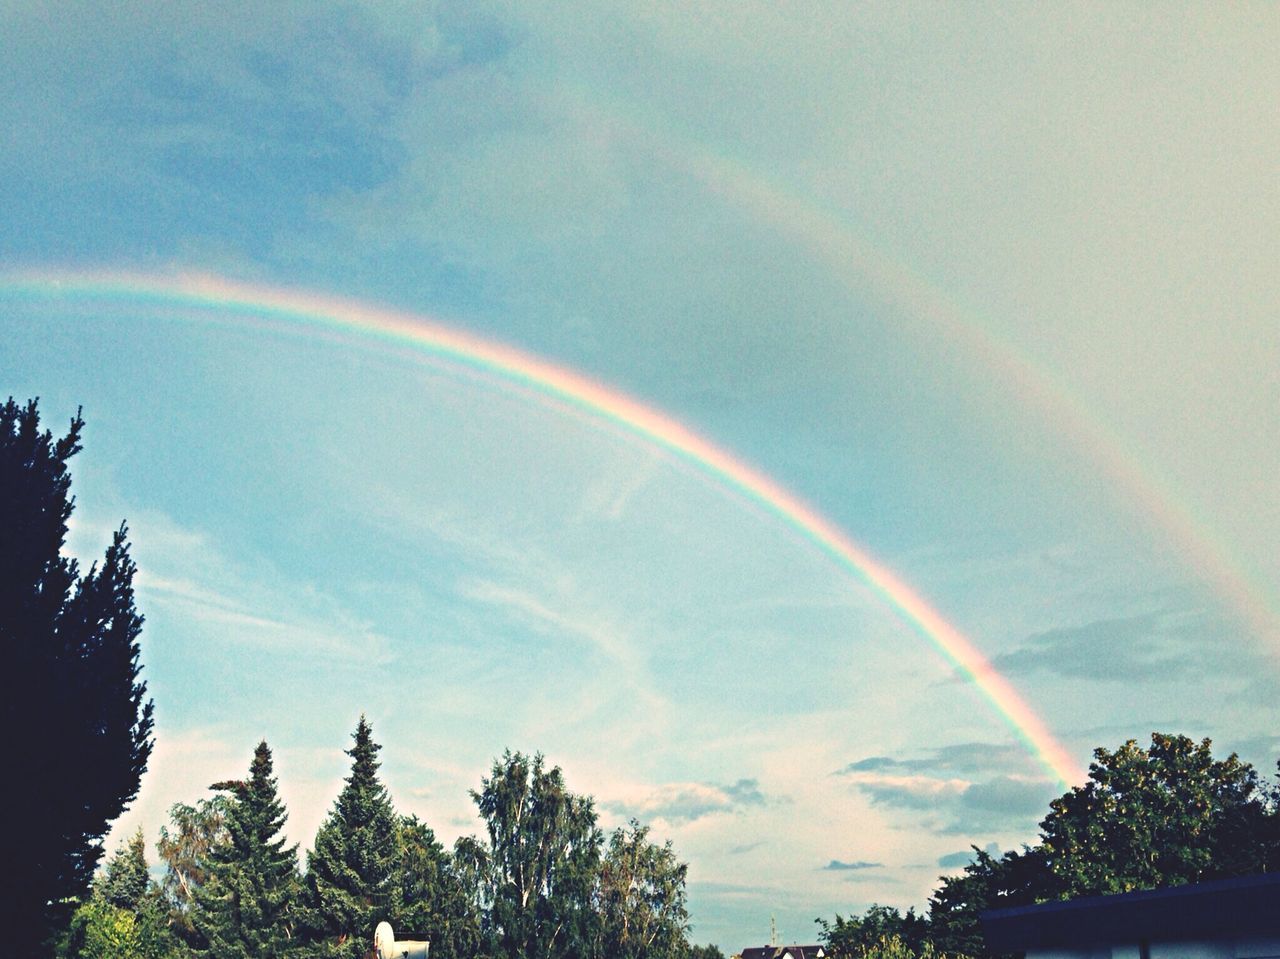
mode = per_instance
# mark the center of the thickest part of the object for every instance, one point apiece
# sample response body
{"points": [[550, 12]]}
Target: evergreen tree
{"points": [[68, 682], [248, 906], [352, 871], [125, 917], [125, 881]]}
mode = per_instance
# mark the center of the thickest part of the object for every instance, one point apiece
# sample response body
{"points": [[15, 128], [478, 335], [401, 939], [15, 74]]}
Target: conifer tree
{"points": [[70, 694], [125, 881], [249, 905], [352, 871]]}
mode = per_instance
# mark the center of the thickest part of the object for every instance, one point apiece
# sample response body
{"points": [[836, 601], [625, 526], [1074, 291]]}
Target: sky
{"points": [[981, 299]]}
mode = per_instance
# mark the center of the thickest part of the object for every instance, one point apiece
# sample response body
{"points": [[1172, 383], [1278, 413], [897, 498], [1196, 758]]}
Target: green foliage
{"points": [[185, 851], [703, 952], [101, 930], [125, 881], [352, 871], [433, 901], [895, 947], [846, 937], [248, 905], [534, 877], [1163, 816], [1015, 879], [641, 898], [69, 656]]}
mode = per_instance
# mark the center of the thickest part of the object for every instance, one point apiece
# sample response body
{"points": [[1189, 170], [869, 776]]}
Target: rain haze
{"points": [[814, 428]]}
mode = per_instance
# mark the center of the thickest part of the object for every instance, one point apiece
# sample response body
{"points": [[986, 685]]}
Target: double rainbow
{"points": [[315, 312]]}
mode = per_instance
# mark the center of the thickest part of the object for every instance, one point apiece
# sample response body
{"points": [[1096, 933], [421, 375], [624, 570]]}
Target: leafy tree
{"points": [[1162, 816], [249, 904], [703, 952], [186, 850], [642, 898], [848, 937], [352, 871], [895, 947], [125, 917], [434, 903], [1015, 879], [535, 875], [68, 681]]}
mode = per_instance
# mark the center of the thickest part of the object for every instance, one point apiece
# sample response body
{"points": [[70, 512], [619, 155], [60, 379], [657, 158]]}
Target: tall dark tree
{"points": [[536, 874], [249, 905], [80, 729], [351, 872]]}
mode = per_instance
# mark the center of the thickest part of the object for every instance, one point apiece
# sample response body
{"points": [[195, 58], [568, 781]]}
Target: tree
{"points": [[186, 850], [1015, 879], [1164, 816], [124, 917], [351, 872], [433, 901], [535, 876], [126, 879], [846, 938], [249, 905], [704, 952], [69, 683], [642, 898]]}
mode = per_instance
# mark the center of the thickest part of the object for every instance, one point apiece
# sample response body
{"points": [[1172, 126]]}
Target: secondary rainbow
{"points": [[337, 315]]}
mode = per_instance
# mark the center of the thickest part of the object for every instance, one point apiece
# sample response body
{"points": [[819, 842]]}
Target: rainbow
{"points": [[335, 315], [864, 267]]}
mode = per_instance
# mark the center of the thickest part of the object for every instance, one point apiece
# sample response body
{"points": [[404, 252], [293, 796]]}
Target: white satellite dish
{"points": [[385, 945]]}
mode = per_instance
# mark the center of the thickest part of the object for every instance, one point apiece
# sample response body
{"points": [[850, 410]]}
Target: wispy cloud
{"points": [[837, 865]]}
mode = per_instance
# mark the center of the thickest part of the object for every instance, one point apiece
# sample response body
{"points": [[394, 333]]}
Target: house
{"points": [[1227, 919], [783, 952]]}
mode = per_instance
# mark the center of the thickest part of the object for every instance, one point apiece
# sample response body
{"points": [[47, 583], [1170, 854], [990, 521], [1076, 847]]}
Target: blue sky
{"points": [[325, 528]]}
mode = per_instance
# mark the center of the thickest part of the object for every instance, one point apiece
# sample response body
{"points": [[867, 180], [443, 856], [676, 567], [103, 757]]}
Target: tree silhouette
{"points": [[79, 732]]}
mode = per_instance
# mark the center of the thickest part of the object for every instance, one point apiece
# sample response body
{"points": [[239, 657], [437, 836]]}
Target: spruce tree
{"points": [[125, 882], [249, 905], [352, 871], [70, 696]]}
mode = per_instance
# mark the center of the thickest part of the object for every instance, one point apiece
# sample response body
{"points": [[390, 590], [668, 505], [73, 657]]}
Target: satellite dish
{"points": [[385, 945]]}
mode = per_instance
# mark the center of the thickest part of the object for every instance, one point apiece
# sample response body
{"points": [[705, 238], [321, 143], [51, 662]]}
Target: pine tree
{"points": [[70, 697], [352, 871], [125, 881], [249, 905]]}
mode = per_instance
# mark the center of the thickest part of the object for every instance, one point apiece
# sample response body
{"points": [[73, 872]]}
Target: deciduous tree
{"points": [[535, 874]]}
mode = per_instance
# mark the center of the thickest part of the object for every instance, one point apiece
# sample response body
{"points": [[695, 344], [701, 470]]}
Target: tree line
{"points": [[542, 882], [1163, 815]]}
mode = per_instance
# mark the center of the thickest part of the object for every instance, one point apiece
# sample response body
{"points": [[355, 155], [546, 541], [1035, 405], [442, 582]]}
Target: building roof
{"points": [[1246, 904], [784, 952]]}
